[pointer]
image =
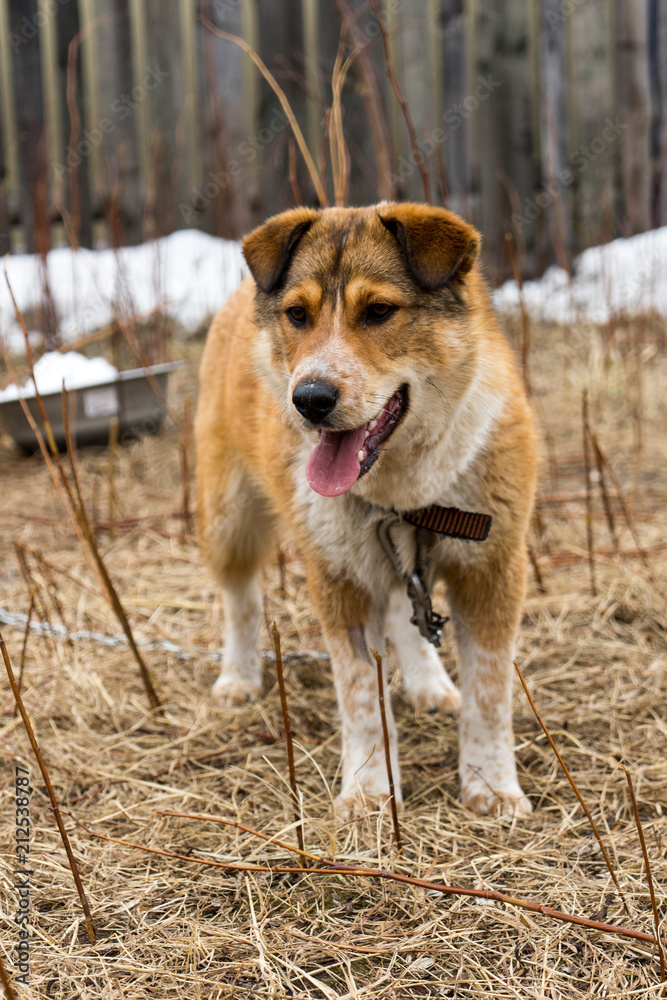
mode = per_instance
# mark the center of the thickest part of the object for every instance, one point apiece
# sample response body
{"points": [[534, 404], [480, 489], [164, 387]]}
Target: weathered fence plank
{"points": [[546, 118]]}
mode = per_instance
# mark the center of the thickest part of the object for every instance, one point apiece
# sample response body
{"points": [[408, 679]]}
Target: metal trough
{"points": [[137, 398]]}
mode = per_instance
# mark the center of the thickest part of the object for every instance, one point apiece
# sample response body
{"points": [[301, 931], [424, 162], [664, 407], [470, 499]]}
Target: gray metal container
{"points": [[137, 398]]}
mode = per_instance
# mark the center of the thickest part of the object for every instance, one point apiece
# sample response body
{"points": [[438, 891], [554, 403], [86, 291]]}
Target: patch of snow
{"points": [[187, 275], [52, 369], [627, 277]]}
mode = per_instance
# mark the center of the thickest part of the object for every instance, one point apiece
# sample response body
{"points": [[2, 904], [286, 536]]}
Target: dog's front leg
{"points": [[352, 624], [486, 606], [365, 781]]}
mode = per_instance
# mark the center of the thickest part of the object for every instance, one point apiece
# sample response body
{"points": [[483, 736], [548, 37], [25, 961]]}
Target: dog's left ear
{"points": [[268, 249], [438, 245]]}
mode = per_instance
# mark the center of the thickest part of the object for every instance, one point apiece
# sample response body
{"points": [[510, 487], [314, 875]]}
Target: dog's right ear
{"points": [[268, 249]]}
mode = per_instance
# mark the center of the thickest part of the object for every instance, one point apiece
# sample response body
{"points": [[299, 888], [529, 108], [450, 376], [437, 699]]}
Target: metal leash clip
{"points": [[429, 623]]}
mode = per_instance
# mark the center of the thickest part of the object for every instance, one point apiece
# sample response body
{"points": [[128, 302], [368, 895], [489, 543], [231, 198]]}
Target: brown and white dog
{"points": [[362, 371]]}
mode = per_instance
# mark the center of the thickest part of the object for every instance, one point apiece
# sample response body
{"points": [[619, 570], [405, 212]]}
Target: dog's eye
{"points": [[379, 311], [297, 314]]}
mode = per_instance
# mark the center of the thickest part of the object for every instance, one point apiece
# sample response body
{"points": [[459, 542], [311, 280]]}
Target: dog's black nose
{"points": [[315, 400]]}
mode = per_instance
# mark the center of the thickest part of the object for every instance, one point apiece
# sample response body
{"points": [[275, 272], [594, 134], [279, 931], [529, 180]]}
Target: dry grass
{"points": [[595, 665]]}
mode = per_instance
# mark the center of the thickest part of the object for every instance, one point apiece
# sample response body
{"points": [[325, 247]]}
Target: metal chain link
{"points": [[58, 631]]}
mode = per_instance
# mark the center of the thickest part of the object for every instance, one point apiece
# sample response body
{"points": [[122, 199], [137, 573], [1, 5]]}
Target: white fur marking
{"points": [[241, 675], [427, 685], [486, 751]]}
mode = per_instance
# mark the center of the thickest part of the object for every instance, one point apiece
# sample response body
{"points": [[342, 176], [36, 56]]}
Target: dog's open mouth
{"points": [[341, 457]]}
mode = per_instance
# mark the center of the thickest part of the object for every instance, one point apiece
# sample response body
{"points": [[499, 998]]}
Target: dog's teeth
{"points": [[372, 425], [360, 455]]}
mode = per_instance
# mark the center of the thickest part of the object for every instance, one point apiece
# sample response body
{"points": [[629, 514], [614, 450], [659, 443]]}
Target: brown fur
{"points": [[252, 445]]}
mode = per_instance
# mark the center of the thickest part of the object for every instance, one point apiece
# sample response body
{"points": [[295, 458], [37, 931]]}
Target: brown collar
{"points": [[451, 521], [445, 521]]}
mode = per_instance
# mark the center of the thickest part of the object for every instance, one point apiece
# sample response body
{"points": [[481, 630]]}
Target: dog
{"points": [[359, 376]]}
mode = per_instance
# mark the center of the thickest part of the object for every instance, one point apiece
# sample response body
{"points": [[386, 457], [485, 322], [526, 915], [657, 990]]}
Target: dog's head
{"points": [[361, 308]]}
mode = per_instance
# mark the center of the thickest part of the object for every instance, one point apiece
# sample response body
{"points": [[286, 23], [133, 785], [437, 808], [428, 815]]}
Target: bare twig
{"points": [[536, 569], [186, 435], [400, 97], [293, 179], [381, 873], [288, 736], [51, 588], [340, 160], [649, 877], [111, 468], [602, 483], [585, 428], [24, 645], [75, 132], [33, 587], [282, 97], [372, 98], [569, 777], [629, 520], [387, 752], [525, 319], [63, 487], [246, 829], [49, 787], [109, 589]]}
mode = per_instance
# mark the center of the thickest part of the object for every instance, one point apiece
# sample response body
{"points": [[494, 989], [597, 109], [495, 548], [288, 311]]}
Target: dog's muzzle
{"points": [[315, 400]]}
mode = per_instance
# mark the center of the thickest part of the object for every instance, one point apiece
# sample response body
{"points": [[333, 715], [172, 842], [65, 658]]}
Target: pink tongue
{"points": [[333, 466]]}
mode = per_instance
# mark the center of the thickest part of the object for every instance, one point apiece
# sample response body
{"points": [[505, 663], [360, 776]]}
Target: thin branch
{"points": [[293, 179], [649, 877], [387, 752], [33, 587], [288, 737], [525, 319], [586, 434], [51, 588], [602, 484], [186, 440], [247, 829], [573, 784], [110, 590], [49, 787], [400, 97], [338, 868], [64, 490], [340, 159], [24, 645], [624, 506], [376, 118], [280, 94], [75, 132]]}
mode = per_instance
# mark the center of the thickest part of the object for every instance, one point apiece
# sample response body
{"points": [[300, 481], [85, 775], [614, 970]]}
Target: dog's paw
{"points": [[437, 694], [506, 804], [351, 805], [230, 690]]}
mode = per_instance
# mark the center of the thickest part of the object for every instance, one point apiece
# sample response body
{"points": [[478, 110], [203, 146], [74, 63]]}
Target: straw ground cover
{"points": [[595, 665]]}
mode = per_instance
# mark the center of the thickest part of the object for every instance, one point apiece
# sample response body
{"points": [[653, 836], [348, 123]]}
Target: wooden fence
{"points": [[544, 118]]}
